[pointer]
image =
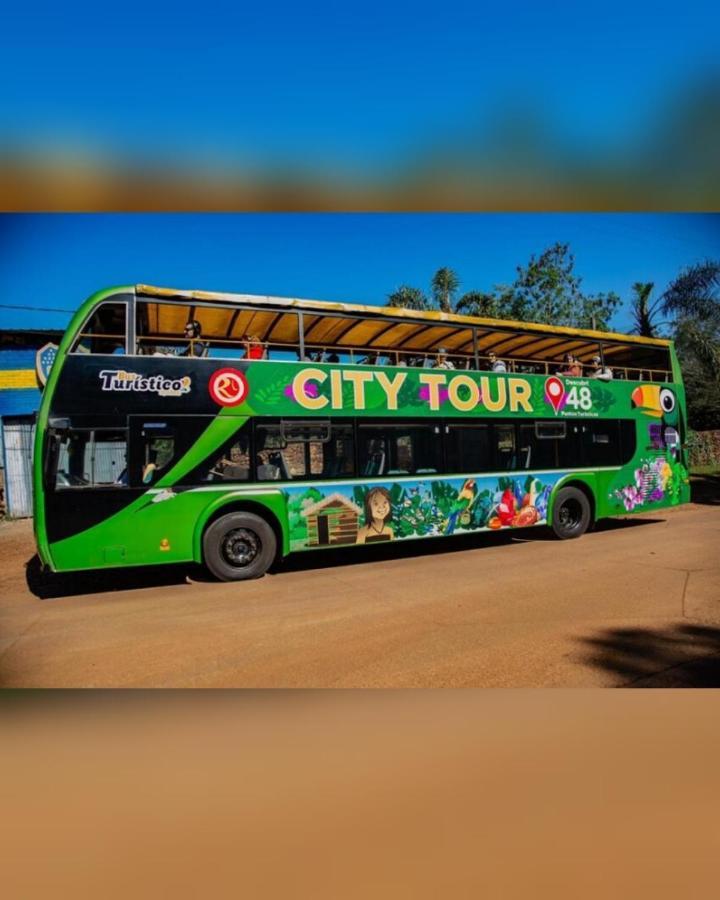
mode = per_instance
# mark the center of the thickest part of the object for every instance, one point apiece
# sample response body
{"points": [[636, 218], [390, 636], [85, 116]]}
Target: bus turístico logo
{"points": [[228, 387], [162, 385]]}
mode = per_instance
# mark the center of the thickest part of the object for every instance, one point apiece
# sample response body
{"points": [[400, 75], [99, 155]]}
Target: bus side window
{"points": [[303, 449], [104, 332], [158, 452], [505, 446], [467, 449], [87, 459], [411, 449], [601, 445]]}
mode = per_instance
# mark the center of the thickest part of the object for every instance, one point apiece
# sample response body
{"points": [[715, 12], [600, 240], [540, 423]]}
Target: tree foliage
{"points": [[548, 290], [479, 303], [693, 302], [444, 286], [644, 311], [408, 297]]}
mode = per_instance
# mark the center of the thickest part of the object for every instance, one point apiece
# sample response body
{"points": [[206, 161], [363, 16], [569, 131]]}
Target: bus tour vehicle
{"points": [[231, 430]]}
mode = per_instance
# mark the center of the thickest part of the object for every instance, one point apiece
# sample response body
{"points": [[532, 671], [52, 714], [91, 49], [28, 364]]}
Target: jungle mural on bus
{"points": [[331, 515], [659, 476], [656, 479]]}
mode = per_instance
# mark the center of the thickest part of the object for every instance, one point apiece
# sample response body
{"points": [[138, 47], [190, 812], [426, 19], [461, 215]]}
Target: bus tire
{"points": [[571, 513], [239, 546]]}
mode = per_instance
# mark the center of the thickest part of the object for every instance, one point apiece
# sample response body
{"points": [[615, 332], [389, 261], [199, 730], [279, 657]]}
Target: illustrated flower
{"points": [[631, 497], [657, 494], [311, 390], [424, 393]]}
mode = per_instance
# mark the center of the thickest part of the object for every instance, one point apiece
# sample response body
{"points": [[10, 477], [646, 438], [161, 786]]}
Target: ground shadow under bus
{"points": [[48, 585]]}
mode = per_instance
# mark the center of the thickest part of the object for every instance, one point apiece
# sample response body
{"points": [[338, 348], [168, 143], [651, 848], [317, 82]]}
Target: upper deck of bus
{"points": [[144, 320]]}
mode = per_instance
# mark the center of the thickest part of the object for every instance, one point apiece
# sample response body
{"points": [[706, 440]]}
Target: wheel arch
{"points": [[270, 507], [584, 482]]}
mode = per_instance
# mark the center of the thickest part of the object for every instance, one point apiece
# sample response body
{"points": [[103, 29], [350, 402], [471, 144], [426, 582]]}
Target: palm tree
{"points": [[407, 297], [478, 303], [644, 312], [444, 287]]}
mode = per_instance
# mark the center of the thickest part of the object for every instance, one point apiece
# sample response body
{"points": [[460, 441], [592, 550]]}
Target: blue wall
{"points": [[18, 401]]}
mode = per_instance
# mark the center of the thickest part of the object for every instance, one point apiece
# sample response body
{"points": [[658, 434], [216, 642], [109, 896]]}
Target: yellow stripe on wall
{"points": [[17, 378]]}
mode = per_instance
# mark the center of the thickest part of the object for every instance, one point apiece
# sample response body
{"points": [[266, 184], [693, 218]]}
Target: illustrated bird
{"points": [[659, 402], [464, 500]]}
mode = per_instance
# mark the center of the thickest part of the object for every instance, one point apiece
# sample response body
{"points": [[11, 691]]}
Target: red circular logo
{"points": [[228, 387]]}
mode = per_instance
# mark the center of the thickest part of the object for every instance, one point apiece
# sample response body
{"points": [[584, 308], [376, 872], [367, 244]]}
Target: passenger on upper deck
{"points": [[196, 347], [604, 373], [442, 361], [254, 347], [572, 366], [496, 365]]}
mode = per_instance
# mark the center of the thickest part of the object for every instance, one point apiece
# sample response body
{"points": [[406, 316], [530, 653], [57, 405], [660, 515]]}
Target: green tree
{"points": [[407, 297], [596, 310], [693, 302], [444, 286], [478, 303], [644, 312], [548, 290]]}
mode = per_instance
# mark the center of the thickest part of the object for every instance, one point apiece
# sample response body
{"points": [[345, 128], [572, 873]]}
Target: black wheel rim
{"points": [[570, 515], [240, 547]]}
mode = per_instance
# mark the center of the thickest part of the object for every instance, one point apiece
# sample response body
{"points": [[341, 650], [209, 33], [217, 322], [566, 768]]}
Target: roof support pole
{"points": [[476, 352], [301, 336], [131, 347]]}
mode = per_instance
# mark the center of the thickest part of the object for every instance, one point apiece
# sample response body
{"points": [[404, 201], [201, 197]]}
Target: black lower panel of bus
{"points": [[71, 511]]}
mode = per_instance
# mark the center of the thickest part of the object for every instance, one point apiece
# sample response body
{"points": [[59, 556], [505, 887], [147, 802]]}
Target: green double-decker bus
{"points": [[232, 430]]}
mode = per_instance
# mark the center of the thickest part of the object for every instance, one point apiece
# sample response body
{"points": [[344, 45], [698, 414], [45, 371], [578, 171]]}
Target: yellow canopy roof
{"points": [[232, 317]]}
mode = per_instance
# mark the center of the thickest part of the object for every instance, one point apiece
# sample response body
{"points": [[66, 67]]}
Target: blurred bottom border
{"points": [[359, 793]]}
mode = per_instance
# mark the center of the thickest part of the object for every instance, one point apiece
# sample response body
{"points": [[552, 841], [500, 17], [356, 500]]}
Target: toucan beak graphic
{"points": [[647, 398]]}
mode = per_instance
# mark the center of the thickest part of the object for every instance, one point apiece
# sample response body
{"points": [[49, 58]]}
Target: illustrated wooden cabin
{"points": [[331, 521]]}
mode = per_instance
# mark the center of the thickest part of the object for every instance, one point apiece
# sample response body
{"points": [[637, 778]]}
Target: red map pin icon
{"points": [[554, 392]]}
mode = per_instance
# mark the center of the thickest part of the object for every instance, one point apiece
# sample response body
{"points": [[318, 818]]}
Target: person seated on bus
{"points": [[604, 373], [496, 365], [372, 359], [254, 347], [333, 358], [196, 347], [571, 366], [442, 361]]}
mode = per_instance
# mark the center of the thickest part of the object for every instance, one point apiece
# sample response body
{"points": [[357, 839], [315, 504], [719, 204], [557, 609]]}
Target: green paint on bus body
{"points": [[166, 522]]}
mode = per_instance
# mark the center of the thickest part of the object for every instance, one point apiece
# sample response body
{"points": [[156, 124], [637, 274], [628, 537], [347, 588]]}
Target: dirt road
{"points": [[637, 602]]}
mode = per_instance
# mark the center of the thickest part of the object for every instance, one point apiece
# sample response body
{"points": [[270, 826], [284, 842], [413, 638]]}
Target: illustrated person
{"points": [[378, 511], [496, 365], [604, 373], [193, 333], [442, 361], [464, 500]]}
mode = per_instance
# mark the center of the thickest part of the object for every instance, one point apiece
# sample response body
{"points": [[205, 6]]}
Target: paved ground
{"points": [[637, 602]]}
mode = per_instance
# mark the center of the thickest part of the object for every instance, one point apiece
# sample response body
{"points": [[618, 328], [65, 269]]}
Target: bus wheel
{"points": [[238, 546], [571, 513]]}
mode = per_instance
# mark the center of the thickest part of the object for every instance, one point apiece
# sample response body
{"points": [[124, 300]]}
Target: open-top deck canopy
{"points": [[288, 322]]}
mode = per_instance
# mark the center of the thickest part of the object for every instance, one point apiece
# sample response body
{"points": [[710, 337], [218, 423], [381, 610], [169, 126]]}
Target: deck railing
{"points": [[165, 345]]}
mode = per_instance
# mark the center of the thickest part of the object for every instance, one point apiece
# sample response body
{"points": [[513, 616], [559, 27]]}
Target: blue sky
{"points": [[57, 260], [350, 85]]}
